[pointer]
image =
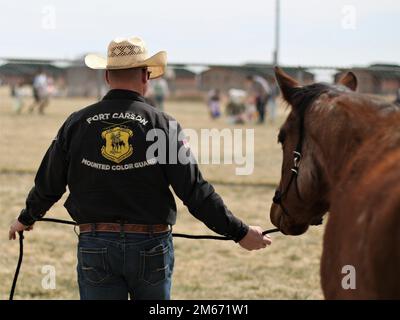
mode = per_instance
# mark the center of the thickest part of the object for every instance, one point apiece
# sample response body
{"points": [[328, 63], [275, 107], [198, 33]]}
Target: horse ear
{"points": [[287, 84], [349, 80]]}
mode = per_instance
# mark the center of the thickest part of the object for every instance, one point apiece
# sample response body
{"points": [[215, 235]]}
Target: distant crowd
{"points": [[42, 89], [254, 104]]}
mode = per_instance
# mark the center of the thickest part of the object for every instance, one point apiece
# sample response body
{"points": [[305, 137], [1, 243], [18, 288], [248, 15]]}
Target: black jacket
{"points": [[100, 153]]}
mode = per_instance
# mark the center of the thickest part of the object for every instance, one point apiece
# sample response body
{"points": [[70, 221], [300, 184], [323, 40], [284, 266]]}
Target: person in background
{"points": [[40, 92], [51, 87], [16, 93], [213, 102], [258, 93], [160, 92], [149, 96], [251, 112], [271, 106], [236, 108], [397, 101]]}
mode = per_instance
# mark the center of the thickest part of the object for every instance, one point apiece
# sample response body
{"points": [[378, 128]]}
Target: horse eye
{"points": [[281, 136]]}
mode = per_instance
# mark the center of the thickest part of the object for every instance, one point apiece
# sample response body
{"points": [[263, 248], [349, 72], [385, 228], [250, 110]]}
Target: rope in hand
{"points": [[21, 255], [176, 235]]}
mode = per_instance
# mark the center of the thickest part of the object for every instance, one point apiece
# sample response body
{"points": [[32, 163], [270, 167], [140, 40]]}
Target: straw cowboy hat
{"points": [[126, 54]]}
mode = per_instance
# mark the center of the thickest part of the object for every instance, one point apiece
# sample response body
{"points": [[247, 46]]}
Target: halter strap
{"points": [[279, 195]]}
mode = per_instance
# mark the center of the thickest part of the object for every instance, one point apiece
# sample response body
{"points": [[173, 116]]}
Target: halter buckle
{"points": [[296, 160]]}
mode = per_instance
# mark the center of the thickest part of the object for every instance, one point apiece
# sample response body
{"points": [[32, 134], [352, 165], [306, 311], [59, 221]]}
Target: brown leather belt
{"points": [[128, 228]]}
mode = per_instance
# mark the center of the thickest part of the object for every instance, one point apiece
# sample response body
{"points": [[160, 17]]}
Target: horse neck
{"points": [[339, 133]]}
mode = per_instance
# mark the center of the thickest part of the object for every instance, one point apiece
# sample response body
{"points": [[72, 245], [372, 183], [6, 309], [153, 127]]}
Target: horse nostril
{"points": [[277, 197]]}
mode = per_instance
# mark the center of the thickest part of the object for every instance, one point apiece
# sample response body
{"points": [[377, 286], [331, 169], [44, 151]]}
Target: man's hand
{"points": [[254, 239], [15, 227]]}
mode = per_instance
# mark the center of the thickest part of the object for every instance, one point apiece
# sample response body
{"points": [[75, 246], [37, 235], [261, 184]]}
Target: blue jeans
{"points": [[113, 266]]}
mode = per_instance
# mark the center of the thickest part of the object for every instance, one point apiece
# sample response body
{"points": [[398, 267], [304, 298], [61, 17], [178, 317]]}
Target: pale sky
{"points": [[334, 33]]}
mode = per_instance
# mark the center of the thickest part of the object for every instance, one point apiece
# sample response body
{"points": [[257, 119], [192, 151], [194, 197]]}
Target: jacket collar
{"points": [[122, 94]]}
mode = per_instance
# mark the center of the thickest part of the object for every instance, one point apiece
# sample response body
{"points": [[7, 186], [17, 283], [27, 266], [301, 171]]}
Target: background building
{"points": [[82, 81], [72, 78], [182, 82], [22, 71], [228, 77]]}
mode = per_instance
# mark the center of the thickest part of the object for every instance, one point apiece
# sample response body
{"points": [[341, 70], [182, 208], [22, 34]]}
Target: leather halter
{"points": [[280, 195]]}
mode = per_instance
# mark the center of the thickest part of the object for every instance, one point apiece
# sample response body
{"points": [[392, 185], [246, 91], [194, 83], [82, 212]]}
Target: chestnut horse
{"points": [[341, 153]]}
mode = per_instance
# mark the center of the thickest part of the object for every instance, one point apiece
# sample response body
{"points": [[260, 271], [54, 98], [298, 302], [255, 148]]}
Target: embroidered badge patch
{"points": [[117, 147]]}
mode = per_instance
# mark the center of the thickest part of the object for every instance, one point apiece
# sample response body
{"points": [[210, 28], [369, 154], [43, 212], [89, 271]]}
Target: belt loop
{"points": [[93, 229], [121, 229]]}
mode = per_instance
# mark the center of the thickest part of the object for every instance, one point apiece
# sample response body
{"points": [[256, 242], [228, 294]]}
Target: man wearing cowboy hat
{"points": [[119, 197]]}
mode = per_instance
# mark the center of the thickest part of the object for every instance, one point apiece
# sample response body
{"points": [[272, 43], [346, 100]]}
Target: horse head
{"points": [[302, 197]]}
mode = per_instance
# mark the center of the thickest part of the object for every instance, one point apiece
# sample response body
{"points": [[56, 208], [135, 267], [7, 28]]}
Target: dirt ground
{"points": [[204, 269]]}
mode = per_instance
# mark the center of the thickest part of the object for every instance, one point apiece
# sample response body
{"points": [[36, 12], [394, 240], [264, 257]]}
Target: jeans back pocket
{"points": [[93, 264], [154, 264]]}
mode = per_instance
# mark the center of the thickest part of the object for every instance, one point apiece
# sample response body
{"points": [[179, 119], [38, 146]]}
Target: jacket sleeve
{"points": [[197, 194], [50, 181]]}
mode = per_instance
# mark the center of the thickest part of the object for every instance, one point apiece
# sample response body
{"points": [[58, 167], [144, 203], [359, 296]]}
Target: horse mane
{"points": [[304, 97]]}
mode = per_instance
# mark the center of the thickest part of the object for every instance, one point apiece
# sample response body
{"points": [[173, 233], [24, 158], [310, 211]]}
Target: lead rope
{"points": [[176, 235], [21, 255]]}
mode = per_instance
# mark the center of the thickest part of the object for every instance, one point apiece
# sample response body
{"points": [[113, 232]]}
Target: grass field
{"points": [[205, 269]]}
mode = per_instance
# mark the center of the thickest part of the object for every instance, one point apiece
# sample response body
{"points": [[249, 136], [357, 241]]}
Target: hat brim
{"points": [[156, 64]]}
